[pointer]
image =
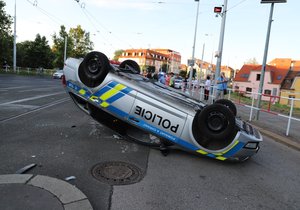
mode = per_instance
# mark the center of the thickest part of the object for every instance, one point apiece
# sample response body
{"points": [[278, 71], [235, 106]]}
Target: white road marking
{"points": [[12, 88], [22, 106], [35, 110], [32, 98]]}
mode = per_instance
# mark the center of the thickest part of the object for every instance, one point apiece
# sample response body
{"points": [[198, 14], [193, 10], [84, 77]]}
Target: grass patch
{"points": [[266, 105]]}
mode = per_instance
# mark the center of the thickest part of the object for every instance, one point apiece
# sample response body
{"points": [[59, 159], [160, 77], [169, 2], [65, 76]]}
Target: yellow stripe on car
{"points": [[82, 91], [219, 154], [112, 92], [221, 158], [202, 152], [104, 104]]}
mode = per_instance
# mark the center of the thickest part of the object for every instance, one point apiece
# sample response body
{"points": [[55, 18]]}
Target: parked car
{"points": [[125, 101], [58, 74], [178, 83]]}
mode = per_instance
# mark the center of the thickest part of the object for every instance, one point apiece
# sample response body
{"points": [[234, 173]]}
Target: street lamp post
{"points": [[193, 54], [263, 68], [201, 65], [15, 40]]}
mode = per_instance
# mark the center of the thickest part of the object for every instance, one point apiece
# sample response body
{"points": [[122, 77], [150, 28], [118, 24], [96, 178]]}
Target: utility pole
{"points": [[15, 40], [221, 40], [193, 55], [263, 68], [65, 51]]}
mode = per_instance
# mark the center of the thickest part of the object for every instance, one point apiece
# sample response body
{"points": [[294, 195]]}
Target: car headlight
{"points": [[251, 145]]}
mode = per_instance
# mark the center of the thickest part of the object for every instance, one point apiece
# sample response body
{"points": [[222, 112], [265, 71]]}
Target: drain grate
{"points": [[117, 173]]}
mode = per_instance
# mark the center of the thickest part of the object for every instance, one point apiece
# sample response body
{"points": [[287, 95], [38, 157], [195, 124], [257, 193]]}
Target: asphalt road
{"points": [[40, 124]]}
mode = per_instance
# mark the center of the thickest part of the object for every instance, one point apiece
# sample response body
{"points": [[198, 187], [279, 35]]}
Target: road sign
{"points": [[272, 1]]}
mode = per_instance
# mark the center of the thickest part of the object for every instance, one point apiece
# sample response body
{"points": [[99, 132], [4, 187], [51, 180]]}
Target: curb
{"points": [[279, 138], [70, 197]]}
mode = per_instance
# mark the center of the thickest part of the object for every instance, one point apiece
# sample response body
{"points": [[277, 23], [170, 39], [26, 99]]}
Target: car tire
{"points": [[228, 104], [93, 69], [130, 65], [214, 127]]}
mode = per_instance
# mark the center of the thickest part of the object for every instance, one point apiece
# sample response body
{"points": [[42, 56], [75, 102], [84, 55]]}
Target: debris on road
{"points": [[26, 168], [70, 178]]}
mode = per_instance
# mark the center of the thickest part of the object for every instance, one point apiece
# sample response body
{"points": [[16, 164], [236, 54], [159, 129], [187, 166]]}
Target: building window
{"points": [[267, 92], [245, 75], [258, 77], [248, 89]]}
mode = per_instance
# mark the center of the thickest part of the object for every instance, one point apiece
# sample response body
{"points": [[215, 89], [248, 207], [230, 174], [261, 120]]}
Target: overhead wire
{"points": [[236, 5], [50, 16], [93, 20], [84, 11], [105, 28]]}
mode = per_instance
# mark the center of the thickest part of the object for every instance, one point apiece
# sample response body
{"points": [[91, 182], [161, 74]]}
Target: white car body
{"points": [[113, 94]]}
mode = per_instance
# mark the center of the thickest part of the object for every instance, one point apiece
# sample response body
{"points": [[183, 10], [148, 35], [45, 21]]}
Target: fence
{"points": [[269, 105], [29, 71]]}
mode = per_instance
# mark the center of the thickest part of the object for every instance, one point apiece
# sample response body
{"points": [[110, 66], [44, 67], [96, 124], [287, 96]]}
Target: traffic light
{"points": [[217, 9]]}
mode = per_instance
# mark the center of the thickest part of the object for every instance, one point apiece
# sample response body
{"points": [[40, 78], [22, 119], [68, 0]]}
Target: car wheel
{"points": [[228, 104], [214, 127], [130, 65], [93, 69]]}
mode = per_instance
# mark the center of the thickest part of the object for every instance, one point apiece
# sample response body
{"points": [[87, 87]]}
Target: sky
{"points": [[126, 24]]}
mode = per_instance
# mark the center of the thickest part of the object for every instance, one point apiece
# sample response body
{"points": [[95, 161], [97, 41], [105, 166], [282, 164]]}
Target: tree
{"points": [[59, 46], [40, 53], [164, 67], [78, 44], [117, 54], [6, 38], [182, 73], [35, 53], [81, 42], [22, 55], [251, 61]]}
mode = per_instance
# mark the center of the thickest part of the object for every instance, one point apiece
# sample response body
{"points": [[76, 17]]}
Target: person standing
{"points": [[207, 88], [161, 78], [172, 79], [221, 86], [167, 80]]}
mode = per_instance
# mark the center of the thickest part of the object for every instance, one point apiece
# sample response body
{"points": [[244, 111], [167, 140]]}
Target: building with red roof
{"points": [[290, 88], [248, 79]]}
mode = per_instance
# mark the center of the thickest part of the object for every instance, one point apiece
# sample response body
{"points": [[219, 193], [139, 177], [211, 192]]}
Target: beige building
{"points": [[154, 57]]}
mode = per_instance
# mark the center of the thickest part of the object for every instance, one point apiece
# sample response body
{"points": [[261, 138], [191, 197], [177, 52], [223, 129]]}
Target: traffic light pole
{"points": [[221, 40]]}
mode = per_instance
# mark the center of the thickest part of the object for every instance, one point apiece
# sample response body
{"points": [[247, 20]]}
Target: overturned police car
{"points": [[119, 97]]}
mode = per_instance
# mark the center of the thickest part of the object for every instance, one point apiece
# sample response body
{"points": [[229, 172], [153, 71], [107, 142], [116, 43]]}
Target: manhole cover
{"points": [[117, 173]]}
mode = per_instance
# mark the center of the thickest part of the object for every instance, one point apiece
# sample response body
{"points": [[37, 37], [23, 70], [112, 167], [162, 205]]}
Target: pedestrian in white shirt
{"points": [[207, 88]]}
